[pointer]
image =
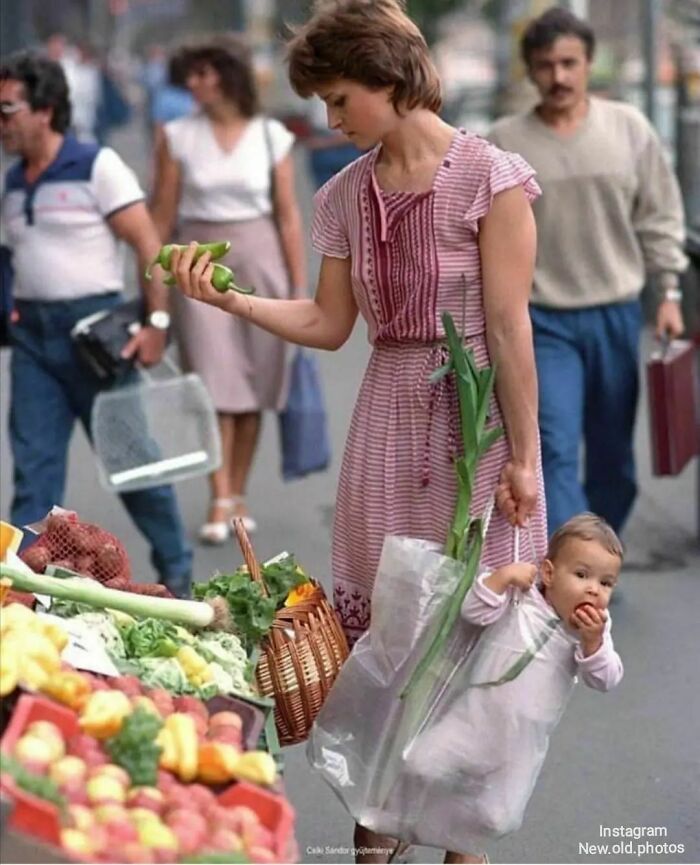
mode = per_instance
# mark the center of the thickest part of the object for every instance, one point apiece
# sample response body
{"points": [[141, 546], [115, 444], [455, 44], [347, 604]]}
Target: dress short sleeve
{"points": [[502, 170], [328, 236], [114, 183]]}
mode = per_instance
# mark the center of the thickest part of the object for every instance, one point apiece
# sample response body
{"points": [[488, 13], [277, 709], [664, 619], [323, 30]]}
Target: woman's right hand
{"points": [[516, 493], [194, 279]]}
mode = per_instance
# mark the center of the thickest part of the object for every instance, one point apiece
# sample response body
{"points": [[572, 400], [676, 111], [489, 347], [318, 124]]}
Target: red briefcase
{"points": [[674, 406]]}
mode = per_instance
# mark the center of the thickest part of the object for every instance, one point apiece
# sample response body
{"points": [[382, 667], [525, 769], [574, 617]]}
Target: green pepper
{"points": [[222, 280], [165, 255]]}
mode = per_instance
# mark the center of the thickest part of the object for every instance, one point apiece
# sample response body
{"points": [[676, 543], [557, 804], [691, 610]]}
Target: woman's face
{"points": [[363, 114], [204, 84]]}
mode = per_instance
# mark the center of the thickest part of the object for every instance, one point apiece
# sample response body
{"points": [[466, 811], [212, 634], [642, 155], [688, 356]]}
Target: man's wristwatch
{"points": [[673, 294], [668, 288], [159, 319]]}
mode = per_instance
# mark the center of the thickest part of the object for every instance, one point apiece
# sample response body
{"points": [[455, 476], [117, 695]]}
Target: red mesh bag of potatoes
{"points": [[68, 542]]}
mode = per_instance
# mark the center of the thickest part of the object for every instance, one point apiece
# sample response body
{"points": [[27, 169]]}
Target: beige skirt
{"points": [[243, 367]]}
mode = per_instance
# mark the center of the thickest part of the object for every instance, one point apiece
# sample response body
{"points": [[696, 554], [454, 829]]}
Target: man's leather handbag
{"points": [[674, 406], [100, 338]]}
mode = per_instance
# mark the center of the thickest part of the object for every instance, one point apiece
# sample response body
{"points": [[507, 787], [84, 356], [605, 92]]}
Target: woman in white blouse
{"points": [[214, 181]]}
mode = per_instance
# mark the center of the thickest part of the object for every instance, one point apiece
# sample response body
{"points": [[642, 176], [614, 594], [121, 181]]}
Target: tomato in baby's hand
{"points": [[584, 605]]}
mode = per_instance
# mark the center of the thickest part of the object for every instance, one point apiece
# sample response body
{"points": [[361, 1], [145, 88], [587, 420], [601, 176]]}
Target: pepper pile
{"points": [[31, 649]]}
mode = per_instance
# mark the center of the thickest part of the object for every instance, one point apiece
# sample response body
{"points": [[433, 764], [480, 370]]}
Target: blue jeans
{"points": [[587, 368], [51, 388]]}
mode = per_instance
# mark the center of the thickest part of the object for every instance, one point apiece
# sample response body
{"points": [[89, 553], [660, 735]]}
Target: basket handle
{"points": [[248, 553]]}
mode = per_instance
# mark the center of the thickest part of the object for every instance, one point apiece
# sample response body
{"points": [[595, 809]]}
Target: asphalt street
{"points": [[627, 759]]}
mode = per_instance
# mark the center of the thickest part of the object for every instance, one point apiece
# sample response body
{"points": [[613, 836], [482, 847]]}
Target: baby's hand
{"points": [[520, 575], [590, 623]]}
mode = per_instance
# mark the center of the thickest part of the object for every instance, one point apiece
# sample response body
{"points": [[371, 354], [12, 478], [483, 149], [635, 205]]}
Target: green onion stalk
{"points": [[465, 541]]}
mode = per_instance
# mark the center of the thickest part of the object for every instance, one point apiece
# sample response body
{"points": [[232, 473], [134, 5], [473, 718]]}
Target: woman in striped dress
{"points": [[430, 219]]}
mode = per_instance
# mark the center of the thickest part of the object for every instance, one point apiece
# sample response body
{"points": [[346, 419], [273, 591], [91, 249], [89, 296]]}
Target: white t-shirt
{"points": [[62, 246], [220, 186]]}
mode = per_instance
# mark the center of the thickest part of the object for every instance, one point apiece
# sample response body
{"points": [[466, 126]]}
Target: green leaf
{"points": [[489, 437], [485, 397], [440, 373]]}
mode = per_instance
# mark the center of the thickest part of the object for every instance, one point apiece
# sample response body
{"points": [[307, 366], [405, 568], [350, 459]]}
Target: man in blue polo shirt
{"points": [[66, 206]]}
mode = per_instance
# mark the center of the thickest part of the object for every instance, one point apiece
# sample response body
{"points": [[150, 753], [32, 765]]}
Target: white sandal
{"points": [[218, 532], [249, 523]]}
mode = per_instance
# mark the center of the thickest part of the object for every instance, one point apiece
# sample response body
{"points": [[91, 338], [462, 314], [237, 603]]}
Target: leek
{"points": [[464, 543], [465, 538], [93, 594]]}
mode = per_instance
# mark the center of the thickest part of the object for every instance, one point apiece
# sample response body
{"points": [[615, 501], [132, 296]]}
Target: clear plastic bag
{"points": [[353, 741], [454, 763]]}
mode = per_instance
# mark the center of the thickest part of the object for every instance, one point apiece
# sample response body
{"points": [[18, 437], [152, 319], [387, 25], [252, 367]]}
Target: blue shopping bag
{"points": [[303, 425]]}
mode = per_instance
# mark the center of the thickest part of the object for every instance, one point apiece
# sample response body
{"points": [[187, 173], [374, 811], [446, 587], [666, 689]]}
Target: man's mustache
{"points": [[559, 88]]}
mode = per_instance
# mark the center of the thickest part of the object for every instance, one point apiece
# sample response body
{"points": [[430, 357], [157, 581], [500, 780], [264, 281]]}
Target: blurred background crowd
{"points": [[118, 57]]}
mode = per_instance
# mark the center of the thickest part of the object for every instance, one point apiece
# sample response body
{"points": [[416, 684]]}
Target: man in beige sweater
{"points": [[610, 215]]}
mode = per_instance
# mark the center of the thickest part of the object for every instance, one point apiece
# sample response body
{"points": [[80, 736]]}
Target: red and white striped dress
{"points": [[414, 256]]}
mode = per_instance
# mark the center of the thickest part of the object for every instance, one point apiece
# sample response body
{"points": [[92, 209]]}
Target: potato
{"points": [[108, 563], [37, 558], [84, 565]]}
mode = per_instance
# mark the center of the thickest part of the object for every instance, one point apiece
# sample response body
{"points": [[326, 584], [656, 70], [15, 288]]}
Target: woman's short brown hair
{"points": [[230, 56], [372, 42]]}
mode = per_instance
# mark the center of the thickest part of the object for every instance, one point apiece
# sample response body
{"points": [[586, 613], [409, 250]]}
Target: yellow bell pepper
{"points": [[40, 647], [168, 750], [54, 632], [36, 658], [32, 674], [68, 687], [9, 672], [104, 713], [17, 616], [195, 667], [258, 767], [183, 730]]}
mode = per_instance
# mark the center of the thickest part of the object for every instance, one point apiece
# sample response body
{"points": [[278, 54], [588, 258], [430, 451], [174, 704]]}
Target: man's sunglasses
{"points": [[7, 109]]}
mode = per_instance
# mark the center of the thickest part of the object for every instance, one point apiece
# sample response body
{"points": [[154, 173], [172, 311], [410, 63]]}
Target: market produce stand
{"points": [[131, 730]]}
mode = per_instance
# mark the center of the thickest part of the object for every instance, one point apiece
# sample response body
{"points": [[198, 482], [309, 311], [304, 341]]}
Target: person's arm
{"points": [[602, 668], [290, 226], [507, 241], [324, 322], [134, 225], [166, 187], [659, 224], [491, 592]]}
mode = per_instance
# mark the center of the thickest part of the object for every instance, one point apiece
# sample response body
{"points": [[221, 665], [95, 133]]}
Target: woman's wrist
{"points": [[526, 461]]}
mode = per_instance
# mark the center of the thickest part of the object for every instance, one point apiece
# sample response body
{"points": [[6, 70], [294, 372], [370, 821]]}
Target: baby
{"points": [[578, 578], [473, 767]]}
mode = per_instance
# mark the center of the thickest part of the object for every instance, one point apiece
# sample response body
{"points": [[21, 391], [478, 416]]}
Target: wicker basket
{"points": [[301, 656]]}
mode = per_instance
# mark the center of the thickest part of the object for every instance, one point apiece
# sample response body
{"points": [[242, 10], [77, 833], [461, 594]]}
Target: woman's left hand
{"points": [[516, 493]]}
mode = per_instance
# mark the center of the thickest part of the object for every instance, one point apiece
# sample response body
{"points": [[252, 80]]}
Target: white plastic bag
{"points": [[468, 775], [454, 764], [353, 741]]}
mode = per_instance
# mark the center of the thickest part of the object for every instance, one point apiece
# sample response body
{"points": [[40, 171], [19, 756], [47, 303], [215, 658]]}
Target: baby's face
{"points": [[583, 572]]}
